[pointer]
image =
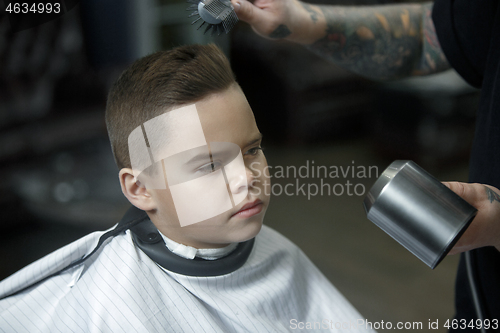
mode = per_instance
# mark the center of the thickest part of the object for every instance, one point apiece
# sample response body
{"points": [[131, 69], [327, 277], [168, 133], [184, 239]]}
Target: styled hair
{"points": [[158, 82]]}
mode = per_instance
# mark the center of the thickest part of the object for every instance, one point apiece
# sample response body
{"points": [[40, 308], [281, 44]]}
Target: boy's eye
{"points": [[209, 167], [253, 151]]}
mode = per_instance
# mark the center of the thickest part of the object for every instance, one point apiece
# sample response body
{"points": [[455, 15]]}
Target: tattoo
{"points": [[281, 32], [433, 59], [492, 195], [382, 42], [313, 12]]}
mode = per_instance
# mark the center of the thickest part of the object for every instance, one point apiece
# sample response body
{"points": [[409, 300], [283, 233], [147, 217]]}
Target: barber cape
{"points": [[119, 288]]}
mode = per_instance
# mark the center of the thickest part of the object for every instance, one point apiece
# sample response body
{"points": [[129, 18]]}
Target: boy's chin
{"points": [[234, 233], [248, 231]]}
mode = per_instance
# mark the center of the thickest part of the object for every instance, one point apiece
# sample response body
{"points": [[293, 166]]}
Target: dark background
{"points": [[59, 181]]}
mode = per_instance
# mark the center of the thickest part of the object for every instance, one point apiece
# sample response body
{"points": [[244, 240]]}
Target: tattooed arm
{"points": [[380, 42], [384, 42], [485, 228]]}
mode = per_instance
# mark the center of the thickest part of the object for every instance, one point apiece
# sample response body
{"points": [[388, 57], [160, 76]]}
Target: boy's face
{"points": [[229, 127]]}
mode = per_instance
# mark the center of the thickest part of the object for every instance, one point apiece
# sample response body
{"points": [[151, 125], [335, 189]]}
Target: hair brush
{"points": [[219, 15]]}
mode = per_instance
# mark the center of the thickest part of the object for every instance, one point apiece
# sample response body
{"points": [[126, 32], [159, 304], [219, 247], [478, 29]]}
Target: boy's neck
{"points": [[190, 252]]}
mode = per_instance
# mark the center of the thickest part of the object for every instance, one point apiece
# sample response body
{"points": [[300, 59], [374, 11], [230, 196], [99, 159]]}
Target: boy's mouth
{"points": [[249, 209]]}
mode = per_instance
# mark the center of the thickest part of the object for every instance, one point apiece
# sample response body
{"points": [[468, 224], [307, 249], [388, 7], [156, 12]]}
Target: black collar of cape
{"points": [[148, 239]]}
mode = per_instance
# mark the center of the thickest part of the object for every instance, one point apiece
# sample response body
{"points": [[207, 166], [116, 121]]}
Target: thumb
{"points": [[456, 187], [474, 194], [248, 12]]}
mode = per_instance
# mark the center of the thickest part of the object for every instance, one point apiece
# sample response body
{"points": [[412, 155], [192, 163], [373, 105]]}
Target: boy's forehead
{"points": [[227, 116], [174, 131]]}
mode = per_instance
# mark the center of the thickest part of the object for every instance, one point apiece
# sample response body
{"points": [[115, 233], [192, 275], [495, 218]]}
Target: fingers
{"points": [[484, 229], [262, 16], [456, 187], [247, 12], [474, 194]]}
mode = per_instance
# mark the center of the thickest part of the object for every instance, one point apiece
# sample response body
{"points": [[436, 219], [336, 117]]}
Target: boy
{"points": [[192, 254]]}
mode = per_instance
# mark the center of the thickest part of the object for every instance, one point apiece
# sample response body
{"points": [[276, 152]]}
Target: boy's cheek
{"points": [[267, 187], [266, 175], [264, 183], [165, 204]]}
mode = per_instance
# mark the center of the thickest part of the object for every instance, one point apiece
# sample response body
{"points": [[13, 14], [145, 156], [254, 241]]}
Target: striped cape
{"points": [[120, 289]]}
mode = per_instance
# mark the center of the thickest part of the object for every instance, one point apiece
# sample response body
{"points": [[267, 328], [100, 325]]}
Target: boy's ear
{"points": [[134, 191]]}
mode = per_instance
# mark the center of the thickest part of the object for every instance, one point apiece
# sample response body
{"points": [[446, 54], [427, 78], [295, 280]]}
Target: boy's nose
{"points": [[241, 182]]}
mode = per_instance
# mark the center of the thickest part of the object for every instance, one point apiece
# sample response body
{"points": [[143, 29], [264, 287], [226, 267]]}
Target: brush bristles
{"points": [[218, 9], [199, 18], [223, 11], [215, 7], [230, 21], [208, 28]]}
